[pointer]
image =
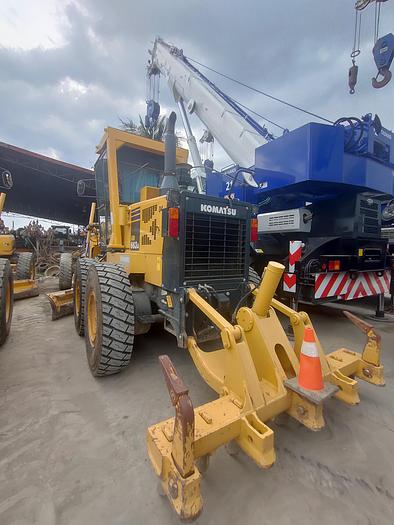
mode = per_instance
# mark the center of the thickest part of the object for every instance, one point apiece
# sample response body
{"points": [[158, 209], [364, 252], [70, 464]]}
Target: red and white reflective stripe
{"points": [[331, 284], [367, 284], [289, 282], [309, 349], [340, 284], [295, 252], [290, 278]]}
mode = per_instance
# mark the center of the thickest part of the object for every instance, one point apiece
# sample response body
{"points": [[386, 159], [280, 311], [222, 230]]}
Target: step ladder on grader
{"points": [[180, 258]]}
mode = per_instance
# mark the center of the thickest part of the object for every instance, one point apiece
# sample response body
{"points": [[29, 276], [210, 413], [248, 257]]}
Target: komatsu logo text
{"points": [[223, 210]]}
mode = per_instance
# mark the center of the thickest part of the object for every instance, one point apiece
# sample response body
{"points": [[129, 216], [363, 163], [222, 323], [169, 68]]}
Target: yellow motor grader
{"points": [[62, 302], [22, 263], [182, 259]]}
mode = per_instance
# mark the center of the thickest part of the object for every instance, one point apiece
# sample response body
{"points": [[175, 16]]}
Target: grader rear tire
{"points": [[66, 271], [25, 266], [6, 299], [79, 286], [109, 319]]}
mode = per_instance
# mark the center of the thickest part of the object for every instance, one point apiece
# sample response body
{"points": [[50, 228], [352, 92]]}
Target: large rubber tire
{"points": [[254, 277], [66, 271], [79, 287], [6, 299], [109, 319], [25, 266]]}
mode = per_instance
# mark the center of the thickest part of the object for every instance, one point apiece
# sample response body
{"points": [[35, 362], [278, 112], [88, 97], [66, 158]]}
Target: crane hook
{"points": [[386, 77], [383, 53], [353, 72]]}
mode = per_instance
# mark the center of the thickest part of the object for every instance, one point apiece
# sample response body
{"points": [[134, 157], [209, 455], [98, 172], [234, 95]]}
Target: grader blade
{"points": [[255, 374], [61, 303], [24, 288]]}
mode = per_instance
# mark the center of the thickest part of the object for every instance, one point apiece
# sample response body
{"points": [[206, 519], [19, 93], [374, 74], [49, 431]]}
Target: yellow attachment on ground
{"points": [[61, 303], [25, 288], [255, 375]]}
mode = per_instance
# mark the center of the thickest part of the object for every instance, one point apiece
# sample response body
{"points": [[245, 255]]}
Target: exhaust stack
{"points": [[169, 181]]}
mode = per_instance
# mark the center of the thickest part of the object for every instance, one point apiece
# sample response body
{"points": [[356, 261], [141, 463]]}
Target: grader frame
{"points": [[255, 375]]}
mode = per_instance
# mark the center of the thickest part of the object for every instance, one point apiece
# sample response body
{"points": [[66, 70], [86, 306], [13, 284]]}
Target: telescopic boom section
{"points": [[236, 132]]}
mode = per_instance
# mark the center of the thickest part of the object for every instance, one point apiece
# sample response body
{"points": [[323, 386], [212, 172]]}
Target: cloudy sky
{"points": [[70, 68]]}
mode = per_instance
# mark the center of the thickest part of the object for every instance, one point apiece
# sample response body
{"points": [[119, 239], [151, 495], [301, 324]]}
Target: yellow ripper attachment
{"points": [[61, 303], [255, 375], [25, 288]]}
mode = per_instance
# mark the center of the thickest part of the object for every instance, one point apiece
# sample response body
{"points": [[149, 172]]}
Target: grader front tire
{"points": [[109, 319], [6, 299]]}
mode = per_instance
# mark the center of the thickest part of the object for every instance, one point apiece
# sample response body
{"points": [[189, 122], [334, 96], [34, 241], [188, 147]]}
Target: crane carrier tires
{"points": [[254, 277], [6, 299]]}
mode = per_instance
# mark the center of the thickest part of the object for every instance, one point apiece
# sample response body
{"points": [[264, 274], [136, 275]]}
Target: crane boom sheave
{"points": [[236, 136]]}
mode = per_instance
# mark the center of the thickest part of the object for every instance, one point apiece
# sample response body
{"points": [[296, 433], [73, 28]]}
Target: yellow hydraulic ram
{"points": [[255, 375]]}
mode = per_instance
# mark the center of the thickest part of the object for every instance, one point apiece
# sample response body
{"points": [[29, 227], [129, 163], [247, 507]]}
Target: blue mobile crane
{"points": [[318, 190]]}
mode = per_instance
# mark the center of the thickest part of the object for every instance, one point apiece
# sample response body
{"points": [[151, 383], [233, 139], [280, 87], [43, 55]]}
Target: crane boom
{"points": [[232, 127]]}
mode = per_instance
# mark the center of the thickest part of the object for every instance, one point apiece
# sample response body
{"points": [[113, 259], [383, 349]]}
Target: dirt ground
{"points": [[72, 448]]}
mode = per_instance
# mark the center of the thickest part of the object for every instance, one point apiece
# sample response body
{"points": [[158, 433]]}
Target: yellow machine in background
{"points": [[67, 259], [173, 256], [62, 302], [22, 263]]}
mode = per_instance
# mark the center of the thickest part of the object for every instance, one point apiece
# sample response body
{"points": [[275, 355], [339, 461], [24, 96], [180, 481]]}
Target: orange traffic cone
{"points": [[310, 376]]}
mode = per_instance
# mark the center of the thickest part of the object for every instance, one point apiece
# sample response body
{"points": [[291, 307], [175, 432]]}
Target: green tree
{"points": [[156, 132]]}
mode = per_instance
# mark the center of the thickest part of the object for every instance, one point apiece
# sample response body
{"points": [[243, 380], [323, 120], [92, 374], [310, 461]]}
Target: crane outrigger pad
{"points": [[255, 376], [61, 303]]}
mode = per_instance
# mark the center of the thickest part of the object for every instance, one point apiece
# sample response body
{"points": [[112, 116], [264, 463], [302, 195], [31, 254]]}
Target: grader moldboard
{"points": [[182, 258]]}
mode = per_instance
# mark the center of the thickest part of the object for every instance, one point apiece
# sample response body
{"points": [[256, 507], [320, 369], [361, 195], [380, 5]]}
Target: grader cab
{"points": [[182, 259]]}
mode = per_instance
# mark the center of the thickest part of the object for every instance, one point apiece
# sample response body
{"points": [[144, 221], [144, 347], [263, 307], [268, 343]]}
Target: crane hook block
{"points": [[383, 53], [353, 72]]}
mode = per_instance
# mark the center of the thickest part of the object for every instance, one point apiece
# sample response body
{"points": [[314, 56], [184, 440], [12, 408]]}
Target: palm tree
{"points": [[129, 125], [155, 132]]}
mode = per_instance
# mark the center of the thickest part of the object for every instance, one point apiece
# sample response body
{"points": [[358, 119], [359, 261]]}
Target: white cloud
{"points": [[26, 24], [72, 87]]}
